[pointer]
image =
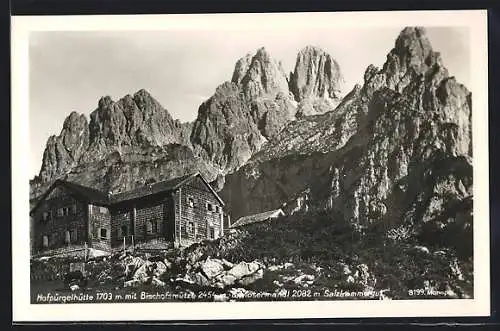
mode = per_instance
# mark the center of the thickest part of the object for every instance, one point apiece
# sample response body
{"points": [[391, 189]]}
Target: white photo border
{"points": [[23, 310]]}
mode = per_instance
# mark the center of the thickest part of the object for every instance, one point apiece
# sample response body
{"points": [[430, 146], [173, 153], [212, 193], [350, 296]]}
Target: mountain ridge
{"points": [[257, 97]]}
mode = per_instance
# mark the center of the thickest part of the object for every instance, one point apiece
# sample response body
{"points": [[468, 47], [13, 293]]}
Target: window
{"points": [[209, 206], [103, 210], [46, 216], [45, 241], [212, 232], [124, 230], [103, 233], [151, 227], [73, 207], [190, 201], [63, 211], [190, 227], [217, 209], [67, 237]]}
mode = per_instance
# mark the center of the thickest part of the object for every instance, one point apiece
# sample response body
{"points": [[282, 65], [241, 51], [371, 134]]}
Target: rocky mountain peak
{"points": [[105, 101], [394, 151], [75, 121], [128, 125], [316, 74], [143, 93], [260, 75], [63, 151], [412, 42], [410, 61]]}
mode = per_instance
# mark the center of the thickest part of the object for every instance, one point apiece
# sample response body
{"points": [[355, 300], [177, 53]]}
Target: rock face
{"points": [[133, 121], [243, 114], [260, 75], [127, 143], [316, 81], [64, 151], [135, 140], [396, 151]]}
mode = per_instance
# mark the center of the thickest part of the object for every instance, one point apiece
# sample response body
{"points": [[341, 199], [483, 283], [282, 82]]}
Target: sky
{"points": [[70, 71]]}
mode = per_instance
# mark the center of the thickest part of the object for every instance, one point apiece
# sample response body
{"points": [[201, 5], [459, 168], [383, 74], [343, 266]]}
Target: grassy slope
{"points": [[325, 240]]}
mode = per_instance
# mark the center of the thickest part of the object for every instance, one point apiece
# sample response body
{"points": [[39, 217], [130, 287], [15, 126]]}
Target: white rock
{"points": [[212, 268], [250, 279], [131, 283], [74, 287], [274, 268], [227, 265], [243, 269], [160, 269], [423, 249], [303, 278], [155, 281]]}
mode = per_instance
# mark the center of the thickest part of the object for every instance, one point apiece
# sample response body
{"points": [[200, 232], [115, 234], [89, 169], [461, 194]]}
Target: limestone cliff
{"points": [[127, 143], [395, 152], [316, 81], [243, 114]]}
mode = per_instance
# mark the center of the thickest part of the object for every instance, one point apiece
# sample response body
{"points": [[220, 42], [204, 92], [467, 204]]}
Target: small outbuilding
{"points": [[256, 218]]}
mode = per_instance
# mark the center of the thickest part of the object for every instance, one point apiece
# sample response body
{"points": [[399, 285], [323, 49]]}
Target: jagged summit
{"points": [[260, 75], [316, 74], [74, 121], [380, 148], [243, 113], [142, 92], [131, 123], [412, 59]]}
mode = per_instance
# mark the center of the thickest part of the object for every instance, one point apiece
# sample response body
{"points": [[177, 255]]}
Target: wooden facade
{"points": [[181, 211]]}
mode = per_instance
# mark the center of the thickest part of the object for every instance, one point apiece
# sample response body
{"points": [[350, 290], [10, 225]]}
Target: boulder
{"points": [[131, 264], [362, 275], [167, 263], [277, 283], [225, 280], [155, 281], [159, 268], [226, 264], [144, 272], [422, 249], [212, 268], [132, 283], [252, 278], [274, 267], [304, 279], [187, 279], [243, 269]]}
